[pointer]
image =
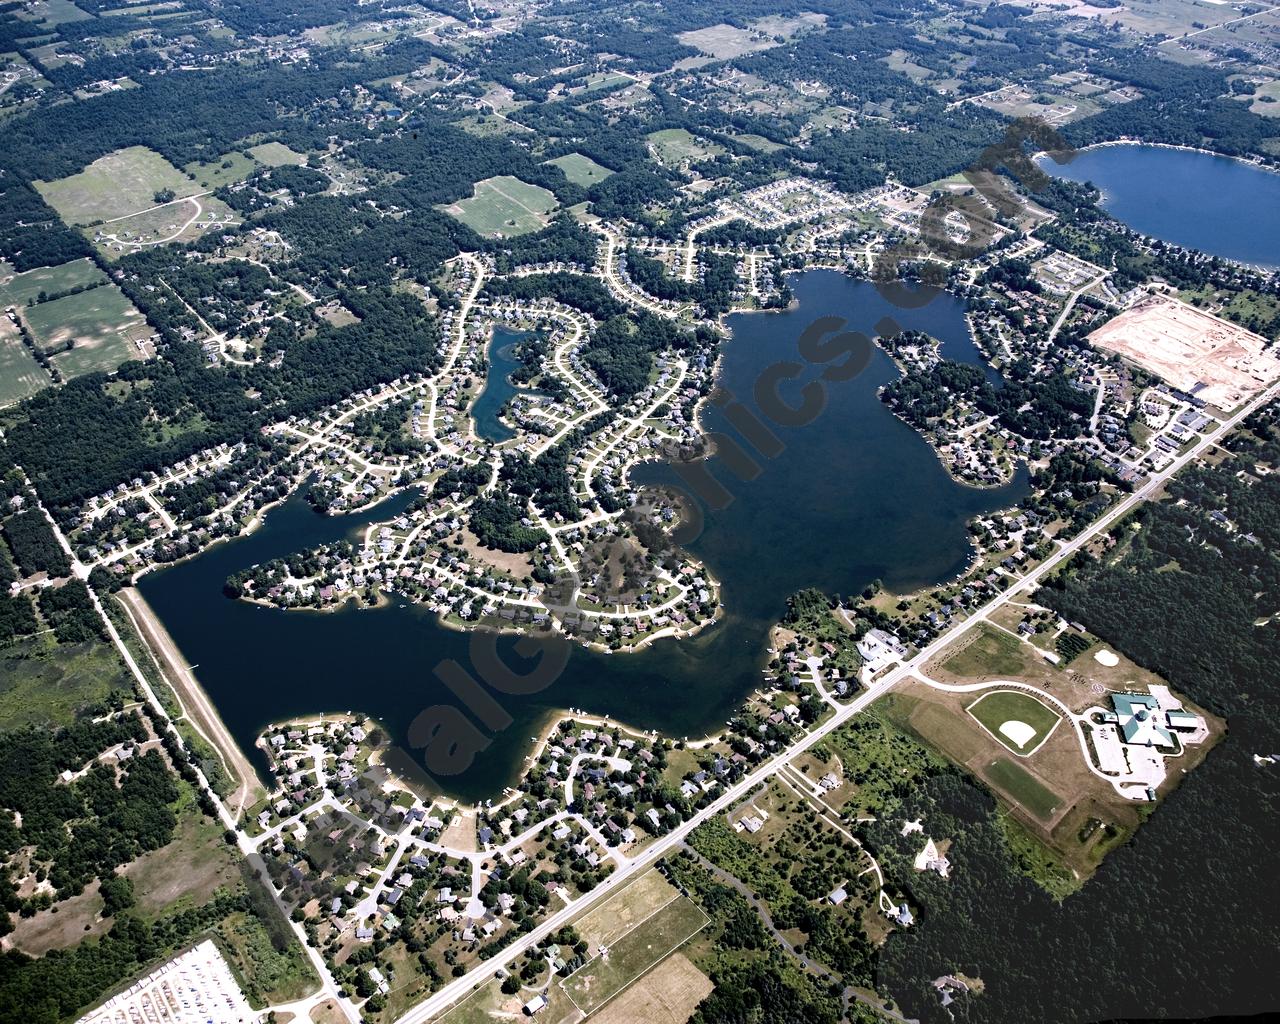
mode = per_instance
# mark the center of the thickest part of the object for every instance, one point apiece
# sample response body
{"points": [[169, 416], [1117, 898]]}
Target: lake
{"points": [[854, 496], [1215, 204]]}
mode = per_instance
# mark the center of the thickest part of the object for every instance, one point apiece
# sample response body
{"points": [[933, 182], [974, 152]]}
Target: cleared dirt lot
{"points": [[1186, 346]]}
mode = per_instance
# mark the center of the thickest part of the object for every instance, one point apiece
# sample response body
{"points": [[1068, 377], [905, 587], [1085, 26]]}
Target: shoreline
{"points": [[554, 716]]}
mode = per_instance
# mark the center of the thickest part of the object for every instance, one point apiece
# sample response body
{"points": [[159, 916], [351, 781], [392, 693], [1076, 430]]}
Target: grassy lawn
{"points": [[989, 653], [581, 170], [43, 683], [1004, 712], [592, 985], [504, 207], [20, 287], [114, 185], [97, 322], [1023, 788]]}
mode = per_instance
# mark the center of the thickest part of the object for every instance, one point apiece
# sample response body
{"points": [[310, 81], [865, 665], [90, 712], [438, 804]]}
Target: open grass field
{"points": [[20, 375], [276, 154], [725, 41], [668, 995], [581, 170], [115, 185], [16, 289], [224, 170], [44, 684], [624, 910], [985, 653], [630, 956], [759, 143], [503, 207], [1016, 719], [1023, 787], [675, 145], [101, 322]]}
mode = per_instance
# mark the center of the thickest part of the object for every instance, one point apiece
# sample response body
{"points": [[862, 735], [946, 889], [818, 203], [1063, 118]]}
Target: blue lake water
{"points": [[1215, 204], [498, 387], [854, 496]]}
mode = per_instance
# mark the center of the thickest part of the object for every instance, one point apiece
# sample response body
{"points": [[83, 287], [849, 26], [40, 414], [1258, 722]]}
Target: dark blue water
{"points": [[498, 386], [854, 496], [1220, 206]]}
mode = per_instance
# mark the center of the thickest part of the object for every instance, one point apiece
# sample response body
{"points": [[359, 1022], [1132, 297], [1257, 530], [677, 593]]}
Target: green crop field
{"points": [[15, 290], [115, 185], [99, 323], [504, 207], [579, 169], [633, 954], [1024, 789], [1004, 714]]}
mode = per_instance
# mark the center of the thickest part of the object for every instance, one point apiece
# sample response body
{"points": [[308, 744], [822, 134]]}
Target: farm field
{"points": [[20, 375], [101, 325], [581, 170], [1015, 718], [51, 13], [503, 207], [1023, 787], [17, 289], [116, 185], [633, 954]]}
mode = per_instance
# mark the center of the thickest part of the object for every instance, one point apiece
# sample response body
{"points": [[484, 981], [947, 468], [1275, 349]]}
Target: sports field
{"points": [[99, 322], [1015, 718], [16, 289], [1023, 788], [581, 170], [634, 953], [115, 185], [504, 207]]}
